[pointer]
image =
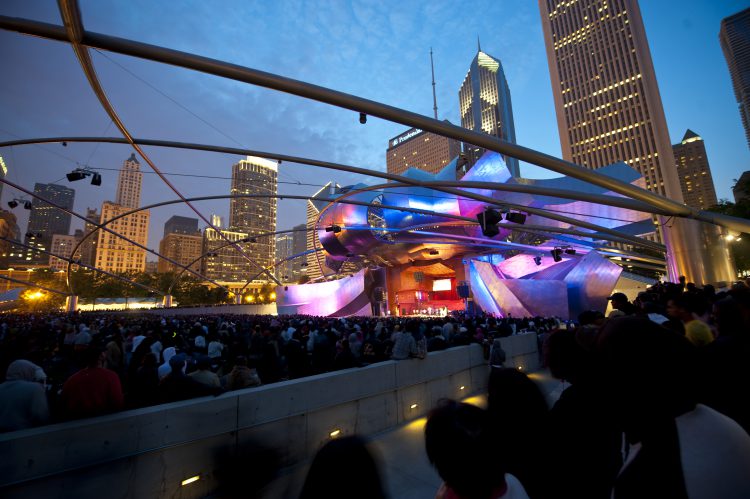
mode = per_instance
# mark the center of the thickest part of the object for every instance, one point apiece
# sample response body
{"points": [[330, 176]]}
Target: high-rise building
{"points": [[88, 247], [8, 232], [217, 221], [485, 106], [3, 173], [255, 215], [129, 183], [151, 267], [300, 245], [184, 249], [180, 225], [741, 189], [62, 245], [113, 253], [695, 175], [45, 220], [284, 250], [734, 36], [222, 261], [314, 265], [416, 148]]}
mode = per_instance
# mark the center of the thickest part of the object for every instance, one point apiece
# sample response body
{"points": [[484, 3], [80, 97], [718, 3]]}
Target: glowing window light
{"points": [[190, 480]]}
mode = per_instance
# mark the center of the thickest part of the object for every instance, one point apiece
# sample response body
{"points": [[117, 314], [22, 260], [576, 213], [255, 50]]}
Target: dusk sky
{"points": [[378, 50]]}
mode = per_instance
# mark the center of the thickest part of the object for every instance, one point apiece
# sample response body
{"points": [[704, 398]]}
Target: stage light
{"points": [[538, 260], [65, 144], [191, 480], [13, 203], [556, 254], [76, 175], [334, 433], [434, 252], [96, 179], [362, 118], [413, 406], [516, 218], [488, 220], [333, 228], [27, 205], [570, 251]]}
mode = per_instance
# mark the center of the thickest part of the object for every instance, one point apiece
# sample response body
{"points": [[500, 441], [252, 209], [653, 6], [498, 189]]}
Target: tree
{"points": [[739, 245]]}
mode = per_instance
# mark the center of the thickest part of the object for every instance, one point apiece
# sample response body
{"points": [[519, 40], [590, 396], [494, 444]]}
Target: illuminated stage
{"points": [[411, 262]]}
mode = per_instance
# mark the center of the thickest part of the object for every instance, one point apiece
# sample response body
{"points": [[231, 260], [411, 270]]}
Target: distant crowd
{"points": [[655, 402]]}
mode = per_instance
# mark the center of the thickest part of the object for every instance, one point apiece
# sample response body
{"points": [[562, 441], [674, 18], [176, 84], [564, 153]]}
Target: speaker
{"points": [[462, 290], [516, 218], [556, 254], [488, 220]]}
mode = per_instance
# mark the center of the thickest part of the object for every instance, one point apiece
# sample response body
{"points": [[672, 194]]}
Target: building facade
{"points": [[8, 232], [62, 245], [741, 189], [696, 180], [113, 253], [222, 261], [300, 245], [3, 173], [88, 246], [129, 183], [181, 225], [45, 220], [284, 250], [605, 92], [734, 36], [255, 216], [416, 148], [314, 265], [485, 106], [185, 249]]}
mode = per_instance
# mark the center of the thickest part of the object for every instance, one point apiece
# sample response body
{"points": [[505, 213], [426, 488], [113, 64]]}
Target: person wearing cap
{"points": [[621, 305], [23, 403]]}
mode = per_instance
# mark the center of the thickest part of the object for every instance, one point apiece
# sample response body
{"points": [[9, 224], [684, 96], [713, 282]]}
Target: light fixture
{"points": [[333, 228], [82, 173], [538, 260], [516, 218], [190, 480], [434, 252], [27, 205], [335, 433], [520, 368], [570, 251], [413, 406], [96, 179], [12, 203], [362, 118], [462, 387], [488, 220], [556, 254], [76, 175]]}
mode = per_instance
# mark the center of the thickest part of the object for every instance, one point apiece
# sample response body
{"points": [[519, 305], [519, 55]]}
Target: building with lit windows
{"points": [[222, 261], [88, 246], [181, 225], [185, 249], [734, 36], [300, 245], [695, 176], [604, 87], [485, 106], [3, 173], [255, 215], [115, 254], [46, 220], [129, 183], [416, 148], [62, 245], [314, 265], [284, 250]]}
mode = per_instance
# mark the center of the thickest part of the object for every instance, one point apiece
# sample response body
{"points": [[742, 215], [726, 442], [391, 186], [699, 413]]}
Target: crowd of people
{"points": [[654, 404]]}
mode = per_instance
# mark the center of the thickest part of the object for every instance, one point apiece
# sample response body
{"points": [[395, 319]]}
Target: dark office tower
{"points": [[734, 36], [46, 221], [300, 245], [604, 86], [255, 214], [695, 175], [484, 101], [181, 225], [88, 246]]}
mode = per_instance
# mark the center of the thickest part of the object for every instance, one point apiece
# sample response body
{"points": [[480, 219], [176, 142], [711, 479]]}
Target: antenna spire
{"points": [[434, 95], [479, 47]]}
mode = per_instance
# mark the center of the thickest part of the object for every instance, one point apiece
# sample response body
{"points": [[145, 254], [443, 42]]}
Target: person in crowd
{"points": [[93, 390], [23, 401], [203, 373], [165, 368], [241, 375], [621, 305], [178, 386], [404, 345], [684, 308], [344, 468], [459, 444], [144, 387], [497, 354]]}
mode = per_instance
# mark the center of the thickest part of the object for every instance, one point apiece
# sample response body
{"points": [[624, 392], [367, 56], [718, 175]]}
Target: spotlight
{"points": [[27, 205], [76, 175], [13, 203], [362, 118], [434, 252], [570, 251], [488, 220], [516, 218], [96, 179], [286, 288], [333, 228], [556, 254], [65, 144], [538, 260]]}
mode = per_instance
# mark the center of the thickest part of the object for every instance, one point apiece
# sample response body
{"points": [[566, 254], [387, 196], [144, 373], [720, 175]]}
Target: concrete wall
{"points": [[149, 452], [263, 309]]}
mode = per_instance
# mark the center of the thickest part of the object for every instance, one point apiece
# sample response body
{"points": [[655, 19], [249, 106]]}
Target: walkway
{"points": [[406, 470]]}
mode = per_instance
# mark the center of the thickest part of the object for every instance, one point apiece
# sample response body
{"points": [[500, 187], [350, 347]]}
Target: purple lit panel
{"points": [[320, 299], [523, 265], [590, 282]]}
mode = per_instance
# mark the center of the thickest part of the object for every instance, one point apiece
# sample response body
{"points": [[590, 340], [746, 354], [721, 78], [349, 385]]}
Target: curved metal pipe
{"points": [[340, 99], [73, 22], [33, 285]]}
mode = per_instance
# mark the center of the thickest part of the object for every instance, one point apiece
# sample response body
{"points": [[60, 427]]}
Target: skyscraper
{"points": [[485, 106], [419, 149], [300, 245], [113, 253], [255, 215], [604, 86], [284, 250], [695, 175], [734, 36], [315, 262], [129, 183], [88, 247], [185, 249], [222, 261], [46, 221], [62, 245], [3, 173], [180, 225]]}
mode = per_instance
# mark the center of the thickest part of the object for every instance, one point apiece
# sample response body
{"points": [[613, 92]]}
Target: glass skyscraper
{"points": [[734, 36]]}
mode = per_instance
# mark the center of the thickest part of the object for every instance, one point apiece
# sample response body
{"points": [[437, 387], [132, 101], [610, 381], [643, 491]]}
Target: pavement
{"points": [[404, 467]]}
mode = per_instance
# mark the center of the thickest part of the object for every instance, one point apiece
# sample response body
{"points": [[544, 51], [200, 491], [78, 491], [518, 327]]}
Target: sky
{"points": [[378, 50]]}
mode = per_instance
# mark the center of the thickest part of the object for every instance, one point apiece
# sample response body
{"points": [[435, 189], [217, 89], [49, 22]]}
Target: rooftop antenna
{"points": [[434, 95], [479, 47]]}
